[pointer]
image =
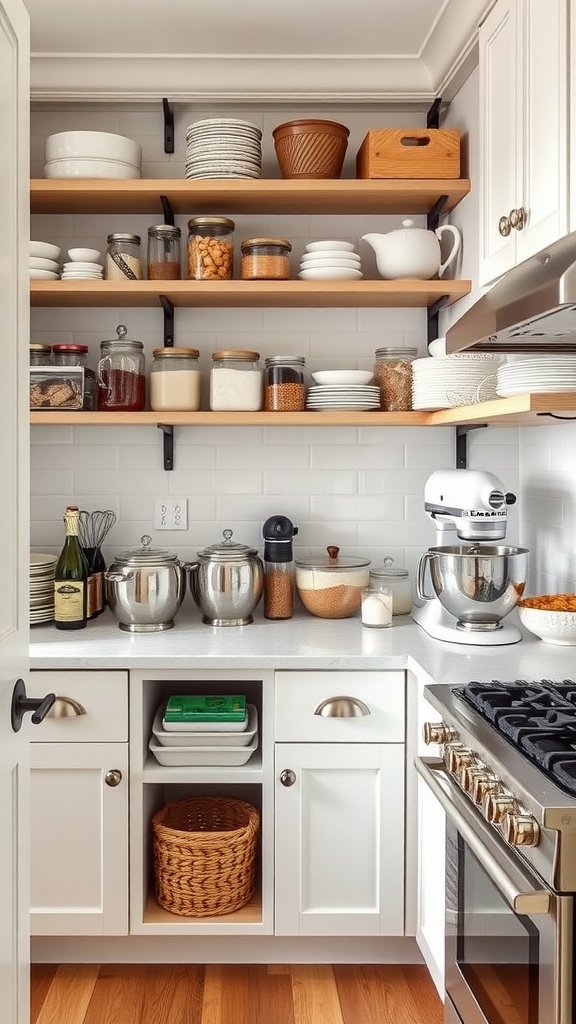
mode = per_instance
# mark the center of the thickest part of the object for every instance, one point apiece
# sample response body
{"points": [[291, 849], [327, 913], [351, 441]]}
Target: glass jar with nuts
{"points": [[393, 375], [210, 249]]}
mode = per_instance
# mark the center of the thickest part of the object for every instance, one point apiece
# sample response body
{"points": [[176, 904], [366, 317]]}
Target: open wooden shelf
{"points": [[250, 913], [521, 409], [247, 293], [194, 196]]}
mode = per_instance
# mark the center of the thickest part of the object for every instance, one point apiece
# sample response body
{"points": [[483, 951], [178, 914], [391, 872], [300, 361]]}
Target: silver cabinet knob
{"points": [[113, 777], [517, 218], [504, 226], [287, 777]]}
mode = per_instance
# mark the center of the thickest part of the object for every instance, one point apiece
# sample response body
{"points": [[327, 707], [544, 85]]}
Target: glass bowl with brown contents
{"points": [[330, 586]]}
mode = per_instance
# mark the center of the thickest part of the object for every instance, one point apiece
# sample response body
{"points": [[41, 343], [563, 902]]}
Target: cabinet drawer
{"points": [[300, 694], [102, 695]]}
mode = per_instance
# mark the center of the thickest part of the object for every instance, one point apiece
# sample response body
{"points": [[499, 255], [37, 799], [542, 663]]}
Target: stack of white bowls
{"points": [[91, 155], [83, 265], [43, 261], [223, 147], [330, 260], [444, 382]]}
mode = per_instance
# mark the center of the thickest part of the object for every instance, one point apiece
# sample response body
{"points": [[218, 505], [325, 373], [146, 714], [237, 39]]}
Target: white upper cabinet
{"points": [[523, 131]]}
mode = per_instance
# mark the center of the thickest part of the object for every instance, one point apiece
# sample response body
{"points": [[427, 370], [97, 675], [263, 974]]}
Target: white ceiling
{"points": [[313, 48]]}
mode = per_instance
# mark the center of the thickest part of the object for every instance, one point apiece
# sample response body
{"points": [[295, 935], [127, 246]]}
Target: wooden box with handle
{"points": [[409, 153]]}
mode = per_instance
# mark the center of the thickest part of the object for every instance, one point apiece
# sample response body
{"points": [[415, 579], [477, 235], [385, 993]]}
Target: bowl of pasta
{"points": [[552, 617]]}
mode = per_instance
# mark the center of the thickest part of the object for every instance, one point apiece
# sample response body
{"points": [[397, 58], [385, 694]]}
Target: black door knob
{"points": [[39, 706]]}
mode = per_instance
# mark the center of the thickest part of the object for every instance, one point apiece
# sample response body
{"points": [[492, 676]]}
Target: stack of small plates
{"points": [[78, 270], [43, 261], [358, 397], [445, 382], [223, 147], [537, 375], [330, 261], [41, 587]]}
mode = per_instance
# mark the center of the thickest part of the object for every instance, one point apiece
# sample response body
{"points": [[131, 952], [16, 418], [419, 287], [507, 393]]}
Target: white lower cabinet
{"points": [[339, 836], [79, 805]]}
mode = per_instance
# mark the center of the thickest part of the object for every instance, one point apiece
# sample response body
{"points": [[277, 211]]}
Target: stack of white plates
{"points": [[43, 261], [222, 747], [538, 375], [359, 397], [223, 147], [41, 587], [445, 382], [330, 261], [78, 270]]}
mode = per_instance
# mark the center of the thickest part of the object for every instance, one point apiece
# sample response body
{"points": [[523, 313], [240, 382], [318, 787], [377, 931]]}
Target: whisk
{"points": [[93, 527]]}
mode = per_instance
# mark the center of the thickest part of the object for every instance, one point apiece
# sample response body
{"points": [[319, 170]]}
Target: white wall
{"points": [[360, 488]]}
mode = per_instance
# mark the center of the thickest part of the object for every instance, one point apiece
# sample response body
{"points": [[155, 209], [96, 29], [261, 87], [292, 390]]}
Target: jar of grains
{"points": [[284, 389], [210, 249], [265, 259], [175, 379], [393, 375], [235, 381], [40, 355], [123, 258], [164, 258]]}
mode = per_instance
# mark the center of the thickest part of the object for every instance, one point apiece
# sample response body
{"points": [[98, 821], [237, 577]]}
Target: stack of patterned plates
{"points": [[537, 375], [41, 587], [444, 382], [357, 397], [223, 147]]}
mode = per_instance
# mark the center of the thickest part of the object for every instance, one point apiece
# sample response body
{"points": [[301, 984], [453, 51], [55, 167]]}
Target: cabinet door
{"points": [[340, 839], [79, 839], [498, 134], [430, 926], [543, 115]]}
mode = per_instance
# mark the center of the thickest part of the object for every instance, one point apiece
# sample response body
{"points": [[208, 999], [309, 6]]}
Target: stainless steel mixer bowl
{"points": [[476, 583]]}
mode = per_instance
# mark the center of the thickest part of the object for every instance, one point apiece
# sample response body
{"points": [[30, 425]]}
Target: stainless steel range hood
{"points": [[532, 307]]}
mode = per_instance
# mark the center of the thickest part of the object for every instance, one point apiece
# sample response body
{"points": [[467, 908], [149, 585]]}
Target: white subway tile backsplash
{"points": [[348, 456], [336, 482], [74, 457], [358, 507], [264, 457], [246, 508], [240, 481]]}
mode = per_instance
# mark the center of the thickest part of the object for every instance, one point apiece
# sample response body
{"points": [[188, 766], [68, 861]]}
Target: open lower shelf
{"points": [[251, 913], [282, 196], [248, 294], [221, 774], [521, 409]]}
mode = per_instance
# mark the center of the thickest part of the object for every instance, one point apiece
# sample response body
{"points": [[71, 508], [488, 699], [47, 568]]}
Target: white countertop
{"points": [[299, 643]]}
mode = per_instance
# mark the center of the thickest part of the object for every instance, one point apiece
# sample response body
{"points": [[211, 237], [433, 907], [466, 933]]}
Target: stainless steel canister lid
{"points": [[146, 555], [227, 550]]}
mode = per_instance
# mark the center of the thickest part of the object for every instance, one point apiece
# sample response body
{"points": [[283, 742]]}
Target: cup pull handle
{"points": [[342, 707]]}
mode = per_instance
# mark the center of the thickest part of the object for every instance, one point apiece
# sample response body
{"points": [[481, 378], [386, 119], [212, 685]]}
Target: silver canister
{"points": [[227, 582], [145, 588]]}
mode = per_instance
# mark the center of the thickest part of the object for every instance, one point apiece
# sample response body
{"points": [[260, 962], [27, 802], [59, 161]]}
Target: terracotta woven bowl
{"points": [[311, 148]]}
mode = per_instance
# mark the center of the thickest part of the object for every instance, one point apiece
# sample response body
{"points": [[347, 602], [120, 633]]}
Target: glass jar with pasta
{"points": [[210, 249]]}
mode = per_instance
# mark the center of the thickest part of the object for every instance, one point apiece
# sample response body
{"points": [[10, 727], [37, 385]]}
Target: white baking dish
{"points": [[213, 738], [195, 757]]}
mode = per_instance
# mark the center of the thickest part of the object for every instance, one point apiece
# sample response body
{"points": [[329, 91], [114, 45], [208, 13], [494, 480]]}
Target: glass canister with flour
{"points": [[123, 261], [175, 379], [235, 381]]}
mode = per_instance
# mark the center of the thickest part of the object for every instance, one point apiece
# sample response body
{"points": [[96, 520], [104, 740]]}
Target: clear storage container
{"points": [[210, 249], [398, 580], [175, 379], [77, 355], [121, 374], [164, 256], [265, 259], [40, 355], [235, 380], [393, 375], [123, 258], [284, 388]]}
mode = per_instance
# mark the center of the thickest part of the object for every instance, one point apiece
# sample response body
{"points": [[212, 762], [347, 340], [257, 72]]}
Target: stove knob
{"points": [[482, 785], [460, 759], [520, 829], [437, 732], [469, 774], [497, 805]]}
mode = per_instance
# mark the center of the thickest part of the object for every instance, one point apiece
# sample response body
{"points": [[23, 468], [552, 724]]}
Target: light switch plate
{"points": [[171, 513]]}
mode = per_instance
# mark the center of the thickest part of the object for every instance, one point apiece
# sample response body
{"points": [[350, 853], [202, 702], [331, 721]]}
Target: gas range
{"points": [[511, 747]]}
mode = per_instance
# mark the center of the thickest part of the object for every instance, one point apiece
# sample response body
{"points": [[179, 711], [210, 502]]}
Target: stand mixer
{"points": [[476, 584]]}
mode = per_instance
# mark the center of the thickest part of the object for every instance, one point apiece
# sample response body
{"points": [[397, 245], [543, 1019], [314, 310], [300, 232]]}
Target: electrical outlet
{"points": [[171, 513]]}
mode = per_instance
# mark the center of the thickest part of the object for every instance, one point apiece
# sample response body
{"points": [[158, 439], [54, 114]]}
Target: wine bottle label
{"points": [[68, 600]]}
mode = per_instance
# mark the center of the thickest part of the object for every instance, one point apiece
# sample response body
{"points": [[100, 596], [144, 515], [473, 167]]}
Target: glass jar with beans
{"points": [[210, 249], [284, 387], [393, 375], [265, 259]]}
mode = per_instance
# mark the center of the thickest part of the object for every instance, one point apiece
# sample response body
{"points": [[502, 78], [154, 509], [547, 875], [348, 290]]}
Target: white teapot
{"points": [[413, 252]]}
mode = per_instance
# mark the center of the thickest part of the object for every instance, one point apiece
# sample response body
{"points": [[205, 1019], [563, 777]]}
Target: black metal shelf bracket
{"points": [[432, 318], [168, 127], [433, 116], [168, 321], [168, 444], [433, 218], [462, 442], [167, 211]]}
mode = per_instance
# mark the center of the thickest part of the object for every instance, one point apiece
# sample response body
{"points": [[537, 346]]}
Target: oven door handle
{"points": [[529, 901]]}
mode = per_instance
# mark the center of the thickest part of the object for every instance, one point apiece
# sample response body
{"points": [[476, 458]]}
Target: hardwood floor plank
{"points": [[315, 995], [246, 994], [69, 994], [391, 993], [147, 994], [41, 976]]}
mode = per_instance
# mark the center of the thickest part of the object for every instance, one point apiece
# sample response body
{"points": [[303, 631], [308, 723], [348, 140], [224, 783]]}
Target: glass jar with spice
{"points": [[40, 355], [175, 379], [210, 249], [393, 375], [77, 355], [123, 258], [164, 257], [121, 374], [235, 380], [265, 259], [284, 388]]}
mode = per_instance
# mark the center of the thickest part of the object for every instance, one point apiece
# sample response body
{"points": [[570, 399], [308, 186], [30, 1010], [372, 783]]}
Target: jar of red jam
{"points": [[121, 374]]}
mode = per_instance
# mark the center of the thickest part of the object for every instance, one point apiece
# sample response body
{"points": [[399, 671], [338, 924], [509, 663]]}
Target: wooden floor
{"points": [[215, 994]]}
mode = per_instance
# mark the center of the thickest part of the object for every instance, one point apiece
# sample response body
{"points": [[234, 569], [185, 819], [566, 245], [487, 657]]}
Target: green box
{"points": [[196, 708]]}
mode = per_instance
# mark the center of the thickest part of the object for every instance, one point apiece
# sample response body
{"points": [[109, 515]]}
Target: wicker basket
{"points": [[311, 148], [204, 855]]}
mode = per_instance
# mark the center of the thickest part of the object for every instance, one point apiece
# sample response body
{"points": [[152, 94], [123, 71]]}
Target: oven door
{"points": [[508, 937]]}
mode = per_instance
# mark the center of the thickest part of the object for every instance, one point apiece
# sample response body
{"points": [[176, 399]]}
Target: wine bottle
{"points": [[71, 578]]}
